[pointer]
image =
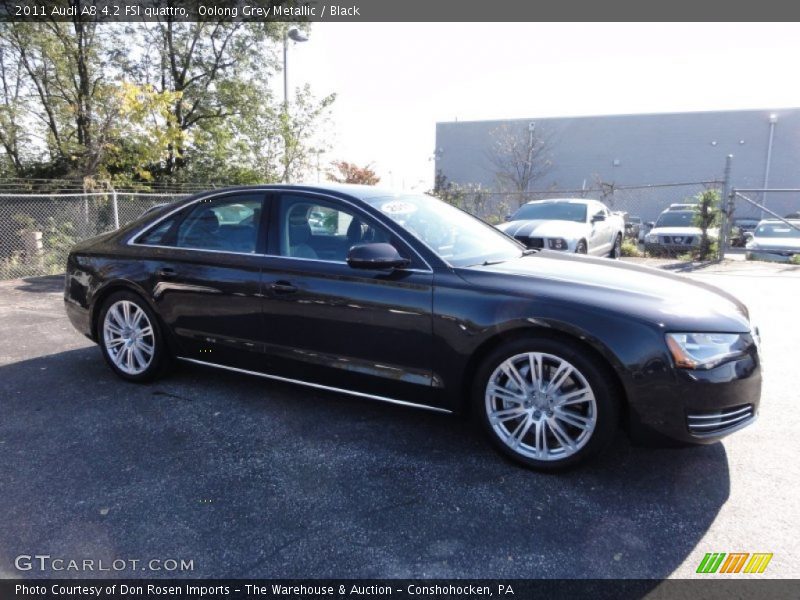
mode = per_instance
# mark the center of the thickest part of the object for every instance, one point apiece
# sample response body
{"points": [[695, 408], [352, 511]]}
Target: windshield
{"points": [[457, 237], [552, 211], [778, 230], [676, 219]]}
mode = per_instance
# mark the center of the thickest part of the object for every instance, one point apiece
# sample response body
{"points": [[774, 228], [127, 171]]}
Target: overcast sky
{"points": [[396, 80]]}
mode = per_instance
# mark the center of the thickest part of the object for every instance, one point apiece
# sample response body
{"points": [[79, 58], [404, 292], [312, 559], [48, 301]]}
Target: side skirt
{"points": [[316, 385]]}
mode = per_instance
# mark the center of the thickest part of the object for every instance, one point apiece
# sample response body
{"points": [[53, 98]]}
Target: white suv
{"points": [[675, 232]]}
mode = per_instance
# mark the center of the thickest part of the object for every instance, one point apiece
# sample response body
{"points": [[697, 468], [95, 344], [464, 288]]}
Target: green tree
{"points": [[158, 101], [707, 216], [59, 74]]}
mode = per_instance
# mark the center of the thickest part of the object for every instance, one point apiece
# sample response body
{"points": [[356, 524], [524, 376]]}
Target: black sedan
{"points": [[405, 299]]}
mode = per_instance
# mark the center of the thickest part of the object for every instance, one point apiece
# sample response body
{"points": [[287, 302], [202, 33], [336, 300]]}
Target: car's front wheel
{"points": [[545, 403], [130, 338]]}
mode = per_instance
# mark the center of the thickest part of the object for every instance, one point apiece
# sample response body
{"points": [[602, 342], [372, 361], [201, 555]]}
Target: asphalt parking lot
{"points": [[250, 478]]}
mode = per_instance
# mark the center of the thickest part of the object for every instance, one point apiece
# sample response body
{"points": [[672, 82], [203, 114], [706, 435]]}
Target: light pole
{"points": [[773, 118], [295, 35]]}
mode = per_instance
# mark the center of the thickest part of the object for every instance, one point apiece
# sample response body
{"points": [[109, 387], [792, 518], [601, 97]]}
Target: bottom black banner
{"points": [[404, 589]]}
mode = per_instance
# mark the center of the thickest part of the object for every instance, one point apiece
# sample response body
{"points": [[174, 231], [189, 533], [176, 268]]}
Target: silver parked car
{"points": [[774, 240], [578, 225]]}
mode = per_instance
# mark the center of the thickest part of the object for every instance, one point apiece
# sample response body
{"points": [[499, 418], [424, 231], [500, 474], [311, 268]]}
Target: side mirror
{"points": [[598, 217], [650, 224], [748, 236], [375, 256], [507, 218]]}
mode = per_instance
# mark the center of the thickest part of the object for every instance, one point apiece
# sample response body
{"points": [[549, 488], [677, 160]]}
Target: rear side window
{"points": [[158, 235], [229, 224]]}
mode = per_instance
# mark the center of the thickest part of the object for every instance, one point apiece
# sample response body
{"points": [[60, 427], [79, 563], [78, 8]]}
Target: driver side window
{"points": [[320, 230]]}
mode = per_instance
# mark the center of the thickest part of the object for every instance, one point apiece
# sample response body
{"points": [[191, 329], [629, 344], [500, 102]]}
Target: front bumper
{"points": [[698, 407], [668, 249], [771, 255]]}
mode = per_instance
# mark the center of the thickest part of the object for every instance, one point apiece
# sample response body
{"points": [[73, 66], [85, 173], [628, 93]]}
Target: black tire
{"points": [[580, 248], [616, 251], [161, 359], [594, 372]]}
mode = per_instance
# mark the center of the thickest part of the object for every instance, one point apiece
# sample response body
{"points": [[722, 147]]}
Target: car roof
{"points": [[361, 192], [568, 200], [675, 210]]}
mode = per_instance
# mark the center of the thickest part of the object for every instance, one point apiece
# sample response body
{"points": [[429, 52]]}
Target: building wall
{"points": [[650, 149]]}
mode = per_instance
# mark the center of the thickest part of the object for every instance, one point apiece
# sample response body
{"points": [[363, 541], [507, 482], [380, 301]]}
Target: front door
{"points": [[324, 322]]}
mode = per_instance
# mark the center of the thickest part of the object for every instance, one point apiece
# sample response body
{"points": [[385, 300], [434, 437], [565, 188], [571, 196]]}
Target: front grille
{"points": [[704, 424], [685, 240], [531, 242]]}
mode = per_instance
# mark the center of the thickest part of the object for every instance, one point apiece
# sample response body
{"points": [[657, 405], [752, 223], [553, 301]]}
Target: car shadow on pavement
{"points": [[39, 285], [252, 478]]}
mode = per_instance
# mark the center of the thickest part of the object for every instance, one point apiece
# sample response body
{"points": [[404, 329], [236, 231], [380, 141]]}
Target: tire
{"points": [[131, 339], [532, 429], [580, 248], [616, 251]]}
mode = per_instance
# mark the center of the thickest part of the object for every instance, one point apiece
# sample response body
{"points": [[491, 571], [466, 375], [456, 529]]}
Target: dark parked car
{"points": [[633, 226], [739, 228], [406, 299]]}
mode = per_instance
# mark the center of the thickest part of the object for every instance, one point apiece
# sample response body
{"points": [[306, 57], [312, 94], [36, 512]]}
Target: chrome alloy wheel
{"points": [[129, 338], [541, 406]]}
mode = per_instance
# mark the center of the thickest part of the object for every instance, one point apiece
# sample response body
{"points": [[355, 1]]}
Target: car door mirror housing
{"points": [[507, 217], [376, 256], [598, 217]]}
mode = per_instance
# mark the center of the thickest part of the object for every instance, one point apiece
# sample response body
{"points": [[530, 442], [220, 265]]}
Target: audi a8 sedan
{"points": [[403, 298]]}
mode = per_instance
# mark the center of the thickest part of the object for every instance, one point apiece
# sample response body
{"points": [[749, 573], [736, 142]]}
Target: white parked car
{"points": [[569, 225], [774, 240], [674, 232]]}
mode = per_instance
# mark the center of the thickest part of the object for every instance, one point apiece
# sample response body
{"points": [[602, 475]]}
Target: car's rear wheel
{"points": [[131, 339], [580, 248], [545, 403], [616, 251]]}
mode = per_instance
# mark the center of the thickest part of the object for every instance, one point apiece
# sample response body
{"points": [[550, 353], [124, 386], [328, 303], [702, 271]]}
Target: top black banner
{"points": [[395, 10]]}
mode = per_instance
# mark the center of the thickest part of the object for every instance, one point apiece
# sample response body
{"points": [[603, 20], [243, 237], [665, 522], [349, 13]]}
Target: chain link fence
{"points": [[776, 240], [37, 230], [644, 201]]}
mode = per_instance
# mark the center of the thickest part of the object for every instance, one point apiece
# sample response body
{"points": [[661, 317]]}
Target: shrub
{"points": [[630, 248]]}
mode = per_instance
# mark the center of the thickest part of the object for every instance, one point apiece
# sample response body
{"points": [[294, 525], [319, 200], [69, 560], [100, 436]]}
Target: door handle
{"points": [[283, 287], [166, 272]]}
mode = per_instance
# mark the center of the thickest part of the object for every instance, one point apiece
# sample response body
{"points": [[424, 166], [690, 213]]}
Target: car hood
{"points": [[674, 302], [682, 231], [543, 228]]}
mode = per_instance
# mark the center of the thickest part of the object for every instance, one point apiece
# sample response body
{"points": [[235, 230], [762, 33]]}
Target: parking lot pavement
{"points": [[249, 478]]}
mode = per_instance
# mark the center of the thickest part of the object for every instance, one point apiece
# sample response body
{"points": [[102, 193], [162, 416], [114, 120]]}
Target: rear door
{"points": [[206, 276]]}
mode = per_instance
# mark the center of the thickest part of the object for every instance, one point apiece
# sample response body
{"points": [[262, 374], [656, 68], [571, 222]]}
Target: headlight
{"points": [[557, 244], [705, 350], [651, 238]]}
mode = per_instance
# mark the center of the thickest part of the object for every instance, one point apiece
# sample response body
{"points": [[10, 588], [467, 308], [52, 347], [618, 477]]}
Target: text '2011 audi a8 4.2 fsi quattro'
{"points": [[406, 299]]}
